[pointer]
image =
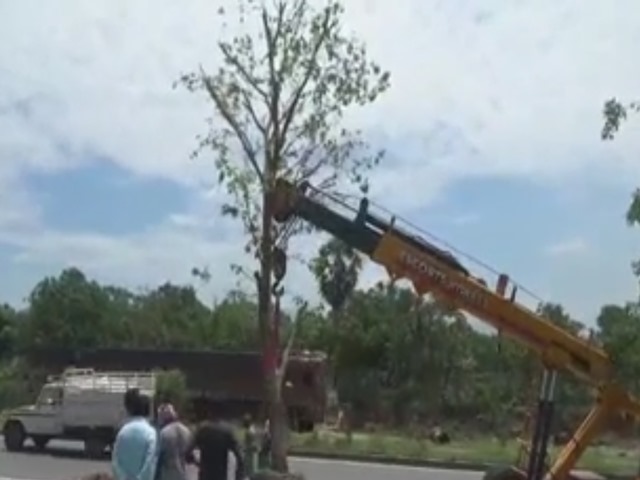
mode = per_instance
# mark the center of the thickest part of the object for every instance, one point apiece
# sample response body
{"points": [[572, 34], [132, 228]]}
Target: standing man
{"points": [[134, 455], [250, 445], [215, 439], [264, 454], [175, 445]]}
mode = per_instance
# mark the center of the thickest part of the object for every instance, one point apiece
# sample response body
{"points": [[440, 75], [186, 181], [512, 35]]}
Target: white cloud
{"points": [[169, 251], [572, 246], [502, 88]]}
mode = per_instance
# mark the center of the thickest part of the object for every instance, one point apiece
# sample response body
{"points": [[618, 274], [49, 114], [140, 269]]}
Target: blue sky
{"points": [[104, 198], [492, 133]]}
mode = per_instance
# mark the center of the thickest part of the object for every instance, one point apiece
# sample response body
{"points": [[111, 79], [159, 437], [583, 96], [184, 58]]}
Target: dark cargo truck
{"points": [[229, 382]]}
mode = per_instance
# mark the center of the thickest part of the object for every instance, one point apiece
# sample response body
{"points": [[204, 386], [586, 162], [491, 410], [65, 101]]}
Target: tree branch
{"points": [[244, 73], [293, 104], [282, 369], [252, 113], [274, 84], [294, 32], [233, 123], [303, 158]]}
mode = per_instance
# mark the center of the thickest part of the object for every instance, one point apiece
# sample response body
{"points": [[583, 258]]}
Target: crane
{"points": [[432, 270]]}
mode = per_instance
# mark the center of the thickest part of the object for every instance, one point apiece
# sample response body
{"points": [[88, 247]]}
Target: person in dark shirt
{"points": [[214, 440]]}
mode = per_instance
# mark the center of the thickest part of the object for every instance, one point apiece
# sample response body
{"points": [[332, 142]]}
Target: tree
{"points": [[557, 314], [68, 310], [171, 386], [615, 113], [233, 323], [336, 268], [8, 331], [278, 100], [620, 334], [176, 313]]}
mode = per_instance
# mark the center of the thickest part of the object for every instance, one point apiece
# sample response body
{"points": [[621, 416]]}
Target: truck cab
{"points": [[41, 420]]}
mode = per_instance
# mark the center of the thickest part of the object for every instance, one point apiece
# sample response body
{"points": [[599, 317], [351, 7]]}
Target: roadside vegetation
{"points": [[605, 459]]}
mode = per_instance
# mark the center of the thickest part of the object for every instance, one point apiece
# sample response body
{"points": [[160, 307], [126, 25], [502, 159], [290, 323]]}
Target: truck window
{"points": [[49, 396]]}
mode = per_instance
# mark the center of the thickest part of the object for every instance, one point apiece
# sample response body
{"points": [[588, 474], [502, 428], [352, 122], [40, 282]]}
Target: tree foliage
{"points": [[336, 269], [172, 387], [278, 101], [615, 114]]}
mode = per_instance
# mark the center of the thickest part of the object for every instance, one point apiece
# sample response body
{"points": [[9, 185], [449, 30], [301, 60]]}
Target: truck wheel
{"points": [[40, 441], [14, 436], [94, 447]]}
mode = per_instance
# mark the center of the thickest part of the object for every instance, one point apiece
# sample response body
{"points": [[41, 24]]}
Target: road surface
{"points": [[63, 461]]}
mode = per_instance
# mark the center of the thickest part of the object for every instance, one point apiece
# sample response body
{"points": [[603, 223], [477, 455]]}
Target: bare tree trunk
{"points": [[333, 376], [276, 409], [278, 430]]}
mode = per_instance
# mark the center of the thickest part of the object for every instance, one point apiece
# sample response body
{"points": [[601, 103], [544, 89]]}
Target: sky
{"points": [[491, 128]]}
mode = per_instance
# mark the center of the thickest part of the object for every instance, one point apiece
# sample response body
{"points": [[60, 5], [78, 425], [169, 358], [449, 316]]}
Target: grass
{"points": [[601, 459]]}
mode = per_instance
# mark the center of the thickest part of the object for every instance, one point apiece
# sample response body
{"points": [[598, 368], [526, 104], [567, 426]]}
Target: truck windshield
{"points": [[49, 395]]}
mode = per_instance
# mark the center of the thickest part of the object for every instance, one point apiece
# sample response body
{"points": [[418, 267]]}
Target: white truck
{"points": [[80, 404]]}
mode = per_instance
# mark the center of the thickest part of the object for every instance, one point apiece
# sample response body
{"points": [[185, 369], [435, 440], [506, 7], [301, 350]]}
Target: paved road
{"points": [[63, 461]]}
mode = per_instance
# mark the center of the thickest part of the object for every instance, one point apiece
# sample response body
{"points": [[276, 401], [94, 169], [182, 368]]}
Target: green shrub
{"points": [[171, 386], [14, 389]]}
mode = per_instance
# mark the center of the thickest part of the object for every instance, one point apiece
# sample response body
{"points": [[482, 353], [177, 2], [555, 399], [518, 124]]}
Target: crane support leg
{"points": [[567, 458], [542, 430]]}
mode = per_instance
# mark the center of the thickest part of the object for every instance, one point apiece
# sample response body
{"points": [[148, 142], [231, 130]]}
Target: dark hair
{"points": [[132, 401], [145, 405], [137, 404]]}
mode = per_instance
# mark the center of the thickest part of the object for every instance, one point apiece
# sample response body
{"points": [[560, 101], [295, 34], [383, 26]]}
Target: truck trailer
{"points": [[229, 382]]}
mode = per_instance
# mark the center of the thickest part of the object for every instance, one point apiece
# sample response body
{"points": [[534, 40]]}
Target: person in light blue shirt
{"points": [[135, 451]]}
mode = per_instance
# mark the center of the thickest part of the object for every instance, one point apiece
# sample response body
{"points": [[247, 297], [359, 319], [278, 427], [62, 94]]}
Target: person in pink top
{"points": [[175, 445]]}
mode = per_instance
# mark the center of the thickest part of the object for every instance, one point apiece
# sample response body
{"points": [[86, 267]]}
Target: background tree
{"points": [[620, 335], [278, 99], [68, 310], [234, 322], [8, 331], [171, 386], [178, 316], [615, 113], [337, 269]]}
